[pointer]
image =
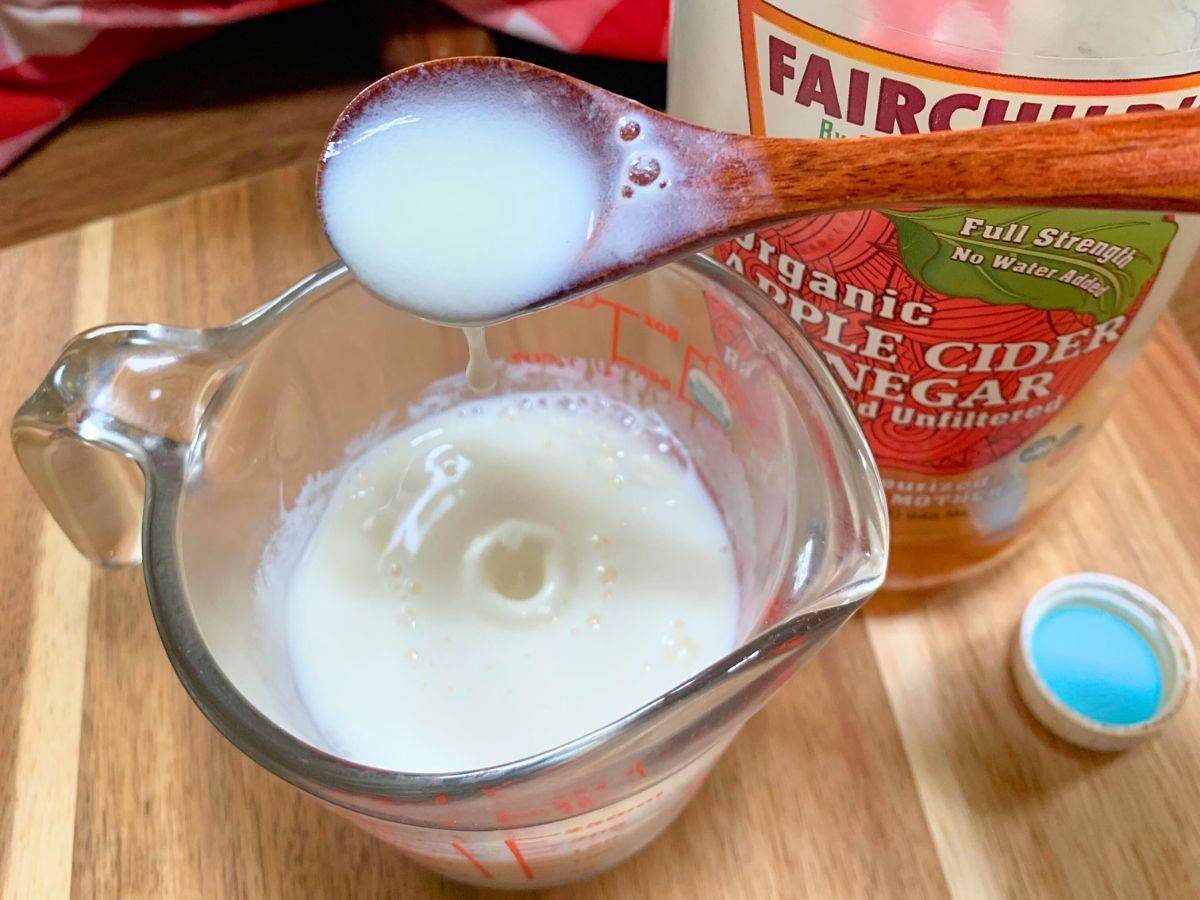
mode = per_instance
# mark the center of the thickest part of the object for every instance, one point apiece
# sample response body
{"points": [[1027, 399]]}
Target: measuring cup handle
{"points": [[119, 401]]}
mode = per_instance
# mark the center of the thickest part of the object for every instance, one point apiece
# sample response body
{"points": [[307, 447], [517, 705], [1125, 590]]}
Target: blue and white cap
{"points": [[1100, 662]]}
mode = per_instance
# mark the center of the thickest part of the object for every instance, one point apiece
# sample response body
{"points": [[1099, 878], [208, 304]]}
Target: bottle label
{"points": [[956, 332]]}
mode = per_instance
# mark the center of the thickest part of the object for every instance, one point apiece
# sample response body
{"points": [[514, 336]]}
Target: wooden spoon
{"points": [[695, 187]]}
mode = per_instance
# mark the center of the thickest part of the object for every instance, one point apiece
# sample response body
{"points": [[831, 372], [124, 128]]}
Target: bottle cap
{"points": [[1100, 662]]}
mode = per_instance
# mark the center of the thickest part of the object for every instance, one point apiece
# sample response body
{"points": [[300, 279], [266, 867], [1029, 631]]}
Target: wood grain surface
{"points": [[1144, 161], [900, 763]]}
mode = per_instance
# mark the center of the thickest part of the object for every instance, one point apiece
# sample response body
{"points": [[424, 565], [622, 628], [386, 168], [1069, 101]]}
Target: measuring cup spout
{"points": [[118, 400]]}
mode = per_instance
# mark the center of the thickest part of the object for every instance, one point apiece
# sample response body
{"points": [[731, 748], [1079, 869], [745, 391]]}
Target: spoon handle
{"points": [[1147, 160]]}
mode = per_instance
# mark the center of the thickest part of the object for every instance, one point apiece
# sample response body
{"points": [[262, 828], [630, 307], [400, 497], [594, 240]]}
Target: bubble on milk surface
{"points": [[644, 170], [679, 650]]}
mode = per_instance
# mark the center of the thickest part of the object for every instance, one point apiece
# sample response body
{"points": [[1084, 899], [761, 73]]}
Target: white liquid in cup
{"points": [[504, 577]]}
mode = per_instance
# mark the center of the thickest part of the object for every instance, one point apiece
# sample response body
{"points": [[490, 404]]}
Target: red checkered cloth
{"points": [[624, 29], [56, 54]]}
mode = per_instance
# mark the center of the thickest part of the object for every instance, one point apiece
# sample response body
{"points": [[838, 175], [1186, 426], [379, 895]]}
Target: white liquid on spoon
{"points": [[502, 578], [459, 206], [468, 197]]}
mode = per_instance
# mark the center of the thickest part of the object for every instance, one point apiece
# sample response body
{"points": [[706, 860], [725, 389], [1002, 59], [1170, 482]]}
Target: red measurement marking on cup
{"points": [[580, 800], [651, 375], [623, 315], [583, 798], [513, 816], [471, 859], [605, 825], [670, 332], [703, 381], [592, 835], [511, 844]]}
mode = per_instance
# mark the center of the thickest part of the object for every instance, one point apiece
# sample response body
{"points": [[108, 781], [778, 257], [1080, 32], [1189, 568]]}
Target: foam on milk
{"points": [[505, 576]]}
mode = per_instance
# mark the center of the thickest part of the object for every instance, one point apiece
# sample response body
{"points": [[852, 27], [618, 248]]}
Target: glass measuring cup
{"points": [[180, 448]]}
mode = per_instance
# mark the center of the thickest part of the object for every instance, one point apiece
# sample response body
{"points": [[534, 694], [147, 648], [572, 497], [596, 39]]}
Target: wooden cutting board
{"points": [[900, 763]]}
